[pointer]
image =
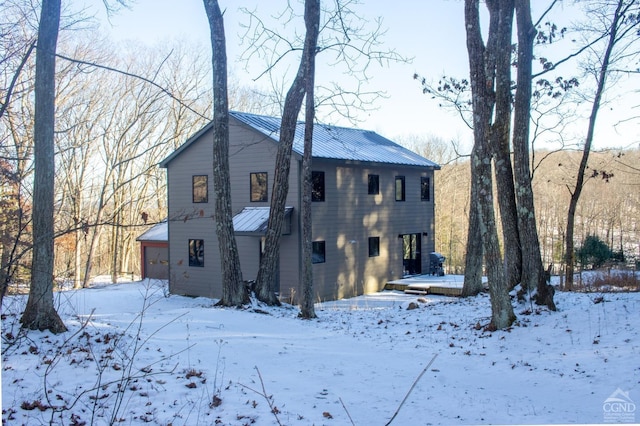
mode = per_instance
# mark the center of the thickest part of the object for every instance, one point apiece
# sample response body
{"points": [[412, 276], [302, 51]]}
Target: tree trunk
{"points": [[312, 21], [533, 274], [498, 62], [482, 65], [618, 18], [502, 315], [77, 250], [266, 281], [508, 211], [40, 313], [233, 289], [473, 259]]}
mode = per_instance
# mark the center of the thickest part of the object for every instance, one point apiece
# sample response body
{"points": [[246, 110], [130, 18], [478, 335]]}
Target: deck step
{"points": [[415, 291], [427, 284], [434, 289]]}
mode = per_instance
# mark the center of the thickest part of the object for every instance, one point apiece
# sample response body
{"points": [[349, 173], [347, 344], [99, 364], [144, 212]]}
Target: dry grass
{"points": [[609, 281]]}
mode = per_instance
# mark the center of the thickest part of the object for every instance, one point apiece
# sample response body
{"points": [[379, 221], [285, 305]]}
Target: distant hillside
{"points": [[609, 206]]}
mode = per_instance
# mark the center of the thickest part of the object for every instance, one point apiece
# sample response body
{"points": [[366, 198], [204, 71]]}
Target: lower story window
{"points": [[374, 246], [196, 253], [317, 252]]}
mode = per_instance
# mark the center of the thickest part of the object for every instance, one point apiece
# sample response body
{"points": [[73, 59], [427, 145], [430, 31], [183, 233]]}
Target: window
{"points": [[317, 252], [400, 188], [317, 188], [374, 184], [258, 182], [196, 253], [374, 246], [425, 188], [200, 189]]}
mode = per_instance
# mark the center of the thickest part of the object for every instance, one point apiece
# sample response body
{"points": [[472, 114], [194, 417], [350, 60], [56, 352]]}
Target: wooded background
{"points": [[609, 210]]}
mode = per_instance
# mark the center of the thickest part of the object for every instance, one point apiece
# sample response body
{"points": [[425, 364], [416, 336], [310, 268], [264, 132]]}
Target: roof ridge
{"points": [[298, 122]]}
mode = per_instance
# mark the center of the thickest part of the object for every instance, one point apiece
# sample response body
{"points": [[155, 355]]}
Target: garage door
{"points": [[157, 259]]}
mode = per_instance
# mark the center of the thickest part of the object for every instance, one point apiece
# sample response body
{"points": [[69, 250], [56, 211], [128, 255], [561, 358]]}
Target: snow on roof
{"points": [[254, 220], [158, 232], [341, 143]]}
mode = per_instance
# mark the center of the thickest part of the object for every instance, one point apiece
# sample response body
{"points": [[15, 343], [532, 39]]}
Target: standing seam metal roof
{"points": [[254, 220], [340, 143], [330, 142]]}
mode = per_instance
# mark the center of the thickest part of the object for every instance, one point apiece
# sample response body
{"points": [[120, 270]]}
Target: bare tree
{"points": [[489, 71], [233, 291], [472, 284], [355, 50], [266, 280], [312, 21], [619, 26], [39, 313], [533, 277]]}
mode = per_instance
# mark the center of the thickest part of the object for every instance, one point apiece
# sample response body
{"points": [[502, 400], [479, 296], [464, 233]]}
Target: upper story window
{"points": [[400, 190], [200, 188], [317, 186], [196, 253], [425, 188], [258, 186], [374, 184]]}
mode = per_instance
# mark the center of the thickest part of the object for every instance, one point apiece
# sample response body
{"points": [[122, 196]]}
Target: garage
{"points": [[154, 252]]}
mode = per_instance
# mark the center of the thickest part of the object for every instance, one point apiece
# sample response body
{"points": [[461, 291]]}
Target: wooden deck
{"points": [[447, 285]]}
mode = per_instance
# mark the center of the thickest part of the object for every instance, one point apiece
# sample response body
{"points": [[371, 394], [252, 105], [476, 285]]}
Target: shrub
{"points": [[594, 252]]}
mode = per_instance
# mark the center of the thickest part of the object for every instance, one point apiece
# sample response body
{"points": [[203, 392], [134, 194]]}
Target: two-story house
{"points": [[373, 209]]}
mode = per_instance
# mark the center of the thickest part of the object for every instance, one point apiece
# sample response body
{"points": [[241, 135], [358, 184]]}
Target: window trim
{"points": [[373, 185], [403, 191], [374, 251], [314, 197], [424, 179], [266, 187], [205, 198], [315, 251], [196, 259]]}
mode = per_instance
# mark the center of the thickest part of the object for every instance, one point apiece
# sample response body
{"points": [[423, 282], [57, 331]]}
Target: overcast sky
{"points": [[431, 33]]}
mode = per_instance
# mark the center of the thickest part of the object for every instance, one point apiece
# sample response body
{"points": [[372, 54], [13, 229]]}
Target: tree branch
{"points": [[128, 74]]}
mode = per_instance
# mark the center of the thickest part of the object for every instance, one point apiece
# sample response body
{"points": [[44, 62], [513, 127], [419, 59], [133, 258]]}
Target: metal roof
{"points": [[254, 220], [158, 232], [330, 142], [340, 143]]}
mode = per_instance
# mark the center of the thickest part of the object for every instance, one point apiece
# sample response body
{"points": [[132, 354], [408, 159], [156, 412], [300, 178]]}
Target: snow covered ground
{"points": [[135, 356]]}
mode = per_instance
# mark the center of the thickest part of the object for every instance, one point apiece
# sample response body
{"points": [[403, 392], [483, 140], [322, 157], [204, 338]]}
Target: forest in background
{"points": [[114, 125], [609, 207]]}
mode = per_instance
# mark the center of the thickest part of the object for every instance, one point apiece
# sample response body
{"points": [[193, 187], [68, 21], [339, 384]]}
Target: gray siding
{"points": [[345, 220], [188, 220], [349, 216], [250, 152]]}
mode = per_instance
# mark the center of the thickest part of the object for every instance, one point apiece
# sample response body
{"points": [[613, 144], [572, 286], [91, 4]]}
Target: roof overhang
{"points": [[253, 221]]}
